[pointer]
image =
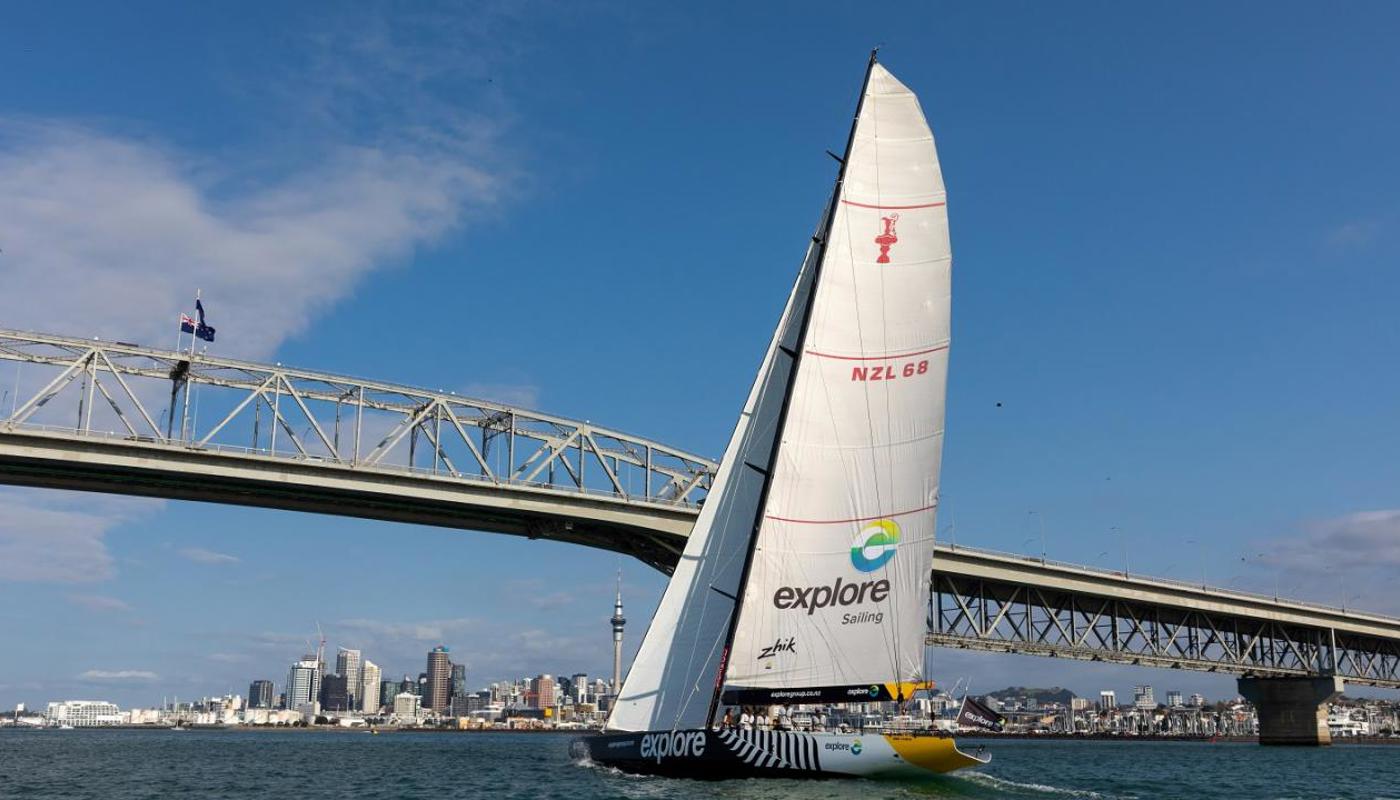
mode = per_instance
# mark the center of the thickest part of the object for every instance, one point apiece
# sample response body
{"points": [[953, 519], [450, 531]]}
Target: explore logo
{"points": [[874, 545], [674, 744]]}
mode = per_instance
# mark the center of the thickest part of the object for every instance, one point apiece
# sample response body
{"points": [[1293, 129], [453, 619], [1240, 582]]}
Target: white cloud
{"points": [[229, 658], [436, 631], [57, 536], [119, 675], [520, 395], [97, 602], [1348, 560], [109, 234], [113, 234], [201, 556]]}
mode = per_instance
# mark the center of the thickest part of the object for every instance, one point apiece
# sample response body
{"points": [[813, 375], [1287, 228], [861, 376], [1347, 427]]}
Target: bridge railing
{"points": [[117, 391], [1150, 580]]}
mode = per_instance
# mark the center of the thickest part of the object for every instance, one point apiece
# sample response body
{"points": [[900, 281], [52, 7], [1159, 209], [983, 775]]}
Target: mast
{"points": [[796, 356]]}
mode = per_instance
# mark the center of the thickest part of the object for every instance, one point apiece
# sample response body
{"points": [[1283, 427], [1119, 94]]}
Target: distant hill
{"points": [[1042, 696]]}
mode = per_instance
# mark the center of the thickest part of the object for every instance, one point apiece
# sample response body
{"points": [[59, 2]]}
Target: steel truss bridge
{"points": [[121, 418], [118, 417], [1006, 603]]}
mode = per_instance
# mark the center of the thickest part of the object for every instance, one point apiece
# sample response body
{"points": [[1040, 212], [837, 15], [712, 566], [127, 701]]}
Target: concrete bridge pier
{"points": [[1292, 711]]}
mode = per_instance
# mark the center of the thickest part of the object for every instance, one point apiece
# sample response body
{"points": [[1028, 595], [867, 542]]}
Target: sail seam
{"points": [[879, 358], [893, 208], [855, 519]]}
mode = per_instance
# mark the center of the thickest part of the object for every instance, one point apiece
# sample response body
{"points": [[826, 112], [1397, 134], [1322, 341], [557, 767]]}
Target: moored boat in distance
{"points": [[806, 578]]}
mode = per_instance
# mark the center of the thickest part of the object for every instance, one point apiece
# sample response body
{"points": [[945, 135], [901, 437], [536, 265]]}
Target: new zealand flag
{"points": [[203, 331]]}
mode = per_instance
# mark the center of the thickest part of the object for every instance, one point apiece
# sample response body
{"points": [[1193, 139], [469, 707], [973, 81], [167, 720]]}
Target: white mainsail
{"points": [[836, 591]]}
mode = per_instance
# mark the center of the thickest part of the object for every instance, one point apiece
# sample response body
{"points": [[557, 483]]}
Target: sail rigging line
{"points": [[795, 360]]}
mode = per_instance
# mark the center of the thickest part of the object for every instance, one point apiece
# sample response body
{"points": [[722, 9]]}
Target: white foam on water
{"points": [[1003, 784]]}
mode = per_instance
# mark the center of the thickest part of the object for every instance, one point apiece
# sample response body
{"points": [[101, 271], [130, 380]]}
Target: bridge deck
{"points": [[266, 435]]}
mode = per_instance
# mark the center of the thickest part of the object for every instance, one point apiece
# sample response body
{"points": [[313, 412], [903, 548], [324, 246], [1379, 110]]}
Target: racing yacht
{"points": [[806, 578]]}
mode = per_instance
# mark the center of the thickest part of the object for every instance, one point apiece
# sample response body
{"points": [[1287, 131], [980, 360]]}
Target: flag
{"points": [[203, 331], [976, 715], [186, 324]]}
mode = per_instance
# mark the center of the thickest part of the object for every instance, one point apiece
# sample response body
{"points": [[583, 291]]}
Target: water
{"points": [[125, 765]]}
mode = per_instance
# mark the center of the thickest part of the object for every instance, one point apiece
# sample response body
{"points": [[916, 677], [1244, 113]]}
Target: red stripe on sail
{"points": [[878, 358], [853, 519], [892, 208]]}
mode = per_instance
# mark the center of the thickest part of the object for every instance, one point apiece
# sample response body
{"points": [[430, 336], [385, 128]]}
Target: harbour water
{"points": [[125, 765]]}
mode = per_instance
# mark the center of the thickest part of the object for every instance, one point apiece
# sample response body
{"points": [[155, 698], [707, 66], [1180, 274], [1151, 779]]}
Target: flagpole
{"points": [[185, 407]]}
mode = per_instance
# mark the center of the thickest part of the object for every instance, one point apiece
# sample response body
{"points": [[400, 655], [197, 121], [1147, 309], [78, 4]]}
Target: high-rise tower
{"points": [[617, 622], [439, 679], [347, 663]]}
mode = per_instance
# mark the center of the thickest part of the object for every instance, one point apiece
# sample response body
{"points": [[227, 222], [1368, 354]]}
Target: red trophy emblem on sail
{"points": [[886, 239]]}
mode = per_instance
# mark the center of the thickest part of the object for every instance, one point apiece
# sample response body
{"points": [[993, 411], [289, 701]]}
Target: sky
{"points": [[1175, 233]]}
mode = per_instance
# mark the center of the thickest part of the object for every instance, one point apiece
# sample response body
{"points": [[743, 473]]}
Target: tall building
{"points": [[304, 683], [1108, 700], [459, 680], [347, 663], [368, 696], [542, 687], [439, 688], [618, 621], [578, 684], [335, 693], [1198, 700], [1174, 698], [1142, 698], [387, 690], [260, 694]]}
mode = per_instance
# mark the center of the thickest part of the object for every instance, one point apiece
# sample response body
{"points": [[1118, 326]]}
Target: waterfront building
{"points": [[368, 695], [578, 684], [542, 690], [304, 683], [335, 693], [406, 704], [387, 690], [1108, 700], [83, 713], [347, 664], [260, 694], [1174, 699], [1143, 699], [406, 685], [439, 675], [1198, 700]]}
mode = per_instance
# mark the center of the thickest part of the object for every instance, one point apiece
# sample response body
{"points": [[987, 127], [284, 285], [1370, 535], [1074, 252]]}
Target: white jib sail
{"points": [[838, 590], [672, 679]]}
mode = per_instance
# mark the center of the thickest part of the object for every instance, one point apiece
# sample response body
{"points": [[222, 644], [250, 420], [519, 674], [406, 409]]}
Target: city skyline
{"points": [[1180, 360]]}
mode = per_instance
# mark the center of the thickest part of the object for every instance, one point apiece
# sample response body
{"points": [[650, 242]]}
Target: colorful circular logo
{"points": [[874, 545], [856, 747]]}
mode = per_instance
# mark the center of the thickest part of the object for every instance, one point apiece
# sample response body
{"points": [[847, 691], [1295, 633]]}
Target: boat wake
{"points": [[1017, 788]]}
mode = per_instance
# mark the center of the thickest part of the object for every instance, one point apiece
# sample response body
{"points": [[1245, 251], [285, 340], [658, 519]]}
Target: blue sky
{"points": [[1174, 232]]}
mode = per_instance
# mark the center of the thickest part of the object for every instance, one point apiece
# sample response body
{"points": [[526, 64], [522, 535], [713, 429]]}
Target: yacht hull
{"points": [[725, 754]]}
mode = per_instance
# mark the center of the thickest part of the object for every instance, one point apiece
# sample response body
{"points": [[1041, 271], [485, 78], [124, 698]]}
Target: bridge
{"points": [[267, 435], [118, 417]]}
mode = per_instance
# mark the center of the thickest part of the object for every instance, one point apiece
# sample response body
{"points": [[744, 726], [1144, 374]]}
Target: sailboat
{"points": [[806, 577]]}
